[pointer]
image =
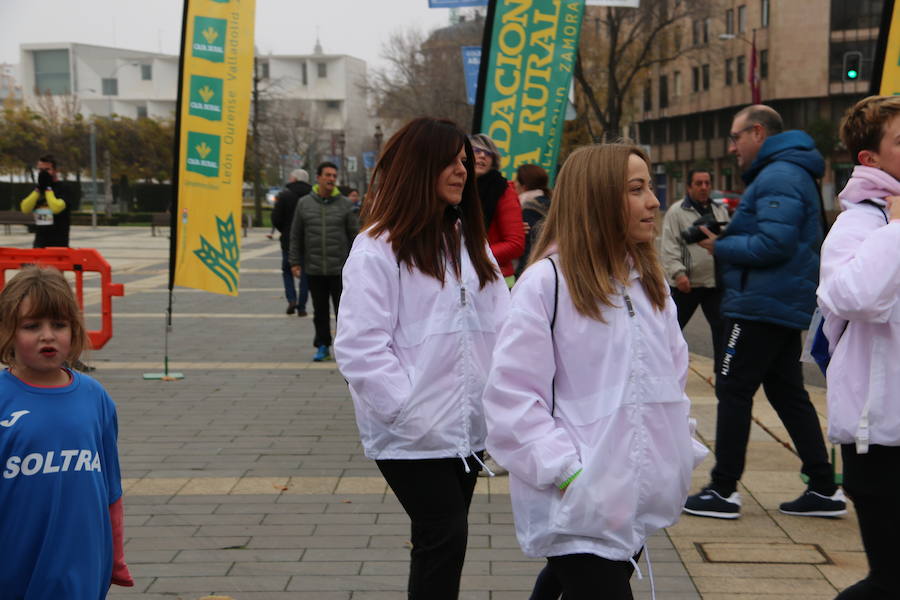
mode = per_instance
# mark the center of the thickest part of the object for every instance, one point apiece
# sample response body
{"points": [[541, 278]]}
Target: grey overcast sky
{"points": [[355, 27]]}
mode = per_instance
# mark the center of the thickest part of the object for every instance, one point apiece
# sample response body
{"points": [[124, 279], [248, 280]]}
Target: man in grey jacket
{"points": [[322, 232], [690, 269]]}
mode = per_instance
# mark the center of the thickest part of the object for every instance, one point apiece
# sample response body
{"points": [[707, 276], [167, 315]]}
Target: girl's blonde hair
{"points": [[588, 224], [49, 296]]}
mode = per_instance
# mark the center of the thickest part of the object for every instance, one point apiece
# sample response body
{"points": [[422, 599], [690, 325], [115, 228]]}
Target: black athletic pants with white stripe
{"points": [[757, 353], [872, 481]]}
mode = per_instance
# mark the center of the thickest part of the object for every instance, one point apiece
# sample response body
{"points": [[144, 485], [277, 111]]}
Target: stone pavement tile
{"points": [[306, 542], [312, 485], [848, 568], [151, 486], [339, 554], [832, 534], [766, 596], [295, 569], [219, 585], [390, 529], [664, 584], [739, 551], [158, 531], [320, 519], [206, 486], [203, 519], [756, 571], [770, 455], [762, 587], [182, 543], [787, 482], [754, 522], [272, 508], [194, 569], [243, 555], [347, 583], [463, 595], [255, 530], [136, 556], [361, 485]]}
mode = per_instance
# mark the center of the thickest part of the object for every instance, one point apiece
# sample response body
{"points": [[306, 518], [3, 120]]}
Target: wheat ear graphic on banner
{"points": [[222, 261]]}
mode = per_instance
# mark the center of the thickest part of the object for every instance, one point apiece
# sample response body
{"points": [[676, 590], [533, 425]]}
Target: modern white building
{"points": [[102, 80], [317, 99], [325, 94]]}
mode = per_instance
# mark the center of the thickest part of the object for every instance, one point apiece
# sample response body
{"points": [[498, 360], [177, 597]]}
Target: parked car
{"points": [[729, 199], [271, 194]]}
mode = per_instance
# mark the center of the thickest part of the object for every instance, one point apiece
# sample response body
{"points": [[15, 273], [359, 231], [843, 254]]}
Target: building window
{"points": [[676, 84], [764, 13], [741, 69], [678, 38], [110, 86], [333, 104], [729, 21], [695, 79], [742, 18], [264, 69], [142, 111], [663, 91], [322, 69], [729, 71], [696, 33], [303, 76], [705, 77], [855, 14], [706, 24], [146, 72], [51, 72], [763, 64], [648, 96]]}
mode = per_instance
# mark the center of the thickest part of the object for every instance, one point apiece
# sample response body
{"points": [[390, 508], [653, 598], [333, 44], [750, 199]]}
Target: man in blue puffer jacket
{"points": [[769, 265]]}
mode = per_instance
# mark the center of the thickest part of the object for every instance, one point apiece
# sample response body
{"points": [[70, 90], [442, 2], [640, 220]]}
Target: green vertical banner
{"points": [[526, 79]]}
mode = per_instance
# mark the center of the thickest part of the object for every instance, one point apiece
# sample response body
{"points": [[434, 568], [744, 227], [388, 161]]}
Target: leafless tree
{"points": [[619, 47]]}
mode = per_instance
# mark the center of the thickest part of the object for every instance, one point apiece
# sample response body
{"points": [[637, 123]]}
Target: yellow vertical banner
{"points": [[890, 61], [214, 104]]}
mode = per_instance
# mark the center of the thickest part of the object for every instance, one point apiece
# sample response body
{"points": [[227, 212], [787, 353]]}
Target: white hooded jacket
{"points": [[416, 354], [859, 294], [620, 415]]}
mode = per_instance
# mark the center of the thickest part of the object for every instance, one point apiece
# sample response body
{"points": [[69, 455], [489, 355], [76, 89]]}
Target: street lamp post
{"points": [[93, 175], [379, 136], [342, 142]]}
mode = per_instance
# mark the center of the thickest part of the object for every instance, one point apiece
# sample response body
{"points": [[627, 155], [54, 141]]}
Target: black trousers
{"points": [[321, 288], [584, 577], [436, 494], [872, 481], [762, 353], [708, 299]]}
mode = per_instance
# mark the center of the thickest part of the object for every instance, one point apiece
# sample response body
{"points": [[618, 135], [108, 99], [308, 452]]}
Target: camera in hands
{"points": [[693, 234]]}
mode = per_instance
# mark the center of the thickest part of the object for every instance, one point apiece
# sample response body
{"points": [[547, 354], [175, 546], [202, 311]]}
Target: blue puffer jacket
{"points": [[769, 254]]}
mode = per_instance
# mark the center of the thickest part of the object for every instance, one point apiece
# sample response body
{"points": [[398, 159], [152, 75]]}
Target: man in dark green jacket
{"points": [[322, 232]]}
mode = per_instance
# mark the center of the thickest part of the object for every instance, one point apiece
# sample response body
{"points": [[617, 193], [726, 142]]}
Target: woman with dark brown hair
{"points": [[421, 305]]}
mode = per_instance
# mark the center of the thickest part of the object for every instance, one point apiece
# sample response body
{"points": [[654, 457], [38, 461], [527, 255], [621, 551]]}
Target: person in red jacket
{"points": [[500, 206]]}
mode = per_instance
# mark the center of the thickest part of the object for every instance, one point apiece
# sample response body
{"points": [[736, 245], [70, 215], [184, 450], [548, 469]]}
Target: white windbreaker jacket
{"points": [[416, 355], [860, 283], [621, 415]]}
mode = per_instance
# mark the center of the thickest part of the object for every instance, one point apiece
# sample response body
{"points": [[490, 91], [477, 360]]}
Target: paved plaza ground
{"points": [[247, 480]]}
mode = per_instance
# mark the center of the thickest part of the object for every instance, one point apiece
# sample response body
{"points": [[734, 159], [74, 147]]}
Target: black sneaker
{"points": [[709, 503], [814, 504], [292, 306]]}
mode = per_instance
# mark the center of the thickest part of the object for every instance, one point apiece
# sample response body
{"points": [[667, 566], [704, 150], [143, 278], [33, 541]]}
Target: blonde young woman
{"points": [[585, 404]]}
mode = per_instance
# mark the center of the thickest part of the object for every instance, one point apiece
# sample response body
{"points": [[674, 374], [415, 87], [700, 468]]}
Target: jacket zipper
{"points": [[324, 264]]}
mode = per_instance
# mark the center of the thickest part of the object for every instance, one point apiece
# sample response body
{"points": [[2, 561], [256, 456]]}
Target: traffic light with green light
{"points": [[852, 66]]}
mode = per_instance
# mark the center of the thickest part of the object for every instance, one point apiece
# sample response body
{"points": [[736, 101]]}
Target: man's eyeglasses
{"points": [[734, 137], [482, 151]]}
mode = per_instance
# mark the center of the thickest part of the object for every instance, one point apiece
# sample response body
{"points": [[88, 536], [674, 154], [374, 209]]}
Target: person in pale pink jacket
{"points": [[859, 295]]}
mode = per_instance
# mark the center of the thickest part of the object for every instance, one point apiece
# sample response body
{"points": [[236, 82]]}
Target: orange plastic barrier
{"points": [[77, 260]]}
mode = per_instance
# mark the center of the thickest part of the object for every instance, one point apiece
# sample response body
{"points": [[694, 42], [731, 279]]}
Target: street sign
{"points": [[351, 164], [369, 160]]}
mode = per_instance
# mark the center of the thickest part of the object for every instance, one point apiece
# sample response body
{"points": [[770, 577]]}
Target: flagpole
{"points": [[173, 208]]}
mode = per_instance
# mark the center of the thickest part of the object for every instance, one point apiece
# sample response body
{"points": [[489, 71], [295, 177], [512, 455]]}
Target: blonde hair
{"points": [[588, 223], [49, 296]]}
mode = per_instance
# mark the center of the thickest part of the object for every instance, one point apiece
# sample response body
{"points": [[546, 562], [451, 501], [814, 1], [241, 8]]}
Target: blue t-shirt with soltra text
{"points": [[59, 472]]}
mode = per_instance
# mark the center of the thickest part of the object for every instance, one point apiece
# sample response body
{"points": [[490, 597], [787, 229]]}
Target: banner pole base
{"points": [[165, 375]]}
